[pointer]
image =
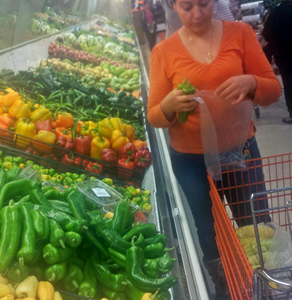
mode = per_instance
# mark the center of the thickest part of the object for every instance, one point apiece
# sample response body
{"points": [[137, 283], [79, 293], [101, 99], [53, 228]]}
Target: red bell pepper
{"points": [[43, 125], [68, 159], [128, 151], [126, 170], [109, 155], [82, 144], [65, 143], [142, 158], [94, 168]]}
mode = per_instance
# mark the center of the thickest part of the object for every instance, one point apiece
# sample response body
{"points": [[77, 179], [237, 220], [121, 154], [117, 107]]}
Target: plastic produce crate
{"points": [[277, 172], [20, 143]]}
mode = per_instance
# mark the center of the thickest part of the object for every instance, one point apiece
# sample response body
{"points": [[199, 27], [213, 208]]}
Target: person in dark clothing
{"points": [[148, 23], [159, 14], [277, 32]]}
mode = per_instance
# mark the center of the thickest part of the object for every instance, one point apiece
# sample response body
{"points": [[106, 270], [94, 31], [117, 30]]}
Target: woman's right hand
{"points": [[175, 101]]}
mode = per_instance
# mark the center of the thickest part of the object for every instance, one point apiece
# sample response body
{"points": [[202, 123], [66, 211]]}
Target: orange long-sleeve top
{"points": [[170, 63]]}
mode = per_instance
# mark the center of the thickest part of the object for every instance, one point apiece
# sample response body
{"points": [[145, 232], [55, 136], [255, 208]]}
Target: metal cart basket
{"points": [[266, 184]]}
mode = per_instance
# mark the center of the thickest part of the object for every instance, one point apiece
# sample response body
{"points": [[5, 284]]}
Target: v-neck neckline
{"points": [[220, 48]]}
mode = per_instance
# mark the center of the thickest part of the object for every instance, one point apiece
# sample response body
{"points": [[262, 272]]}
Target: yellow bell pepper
{"points": [[44, 136], [57, 296], [8, 100], [45, 291], [89, 129], [12, 289], [97, 145], [129, 132], [3, 280], [105, 128], [4, 290], [41, 114], [27, 288], [19, 109], [8, 297], [118, 140], [26, 128], [117, 124]]}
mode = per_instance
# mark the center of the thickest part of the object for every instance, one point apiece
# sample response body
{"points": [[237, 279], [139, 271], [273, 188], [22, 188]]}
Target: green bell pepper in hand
{"points": [[187, 89]]}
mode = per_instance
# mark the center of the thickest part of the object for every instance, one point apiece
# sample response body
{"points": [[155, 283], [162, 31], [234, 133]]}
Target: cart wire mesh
{"points": [[231, 209]]}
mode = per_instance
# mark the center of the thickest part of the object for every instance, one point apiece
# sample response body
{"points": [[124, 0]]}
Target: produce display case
{"points": [[167, 214]]}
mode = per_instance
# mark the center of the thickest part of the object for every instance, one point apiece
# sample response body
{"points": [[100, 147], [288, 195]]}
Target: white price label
{"points": [[100, 192]]}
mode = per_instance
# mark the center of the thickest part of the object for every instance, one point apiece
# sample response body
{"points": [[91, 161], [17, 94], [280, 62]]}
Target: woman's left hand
{"points": [[237, 87]]}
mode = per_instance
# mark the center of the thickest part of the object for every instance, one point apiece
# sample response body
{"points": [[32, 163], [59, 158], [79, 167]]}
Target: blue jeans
{"points": [[191, 173]]}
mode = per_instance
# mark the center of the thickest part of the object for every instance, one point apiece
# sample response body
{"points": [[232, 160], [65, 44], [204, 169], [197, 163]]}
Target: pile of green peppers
{"points": [[57, 237]]}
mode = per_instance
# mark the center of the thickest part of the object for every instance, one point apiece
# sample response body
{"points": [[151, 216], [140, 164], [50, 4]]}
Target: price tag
{"points": [[100, 192]]}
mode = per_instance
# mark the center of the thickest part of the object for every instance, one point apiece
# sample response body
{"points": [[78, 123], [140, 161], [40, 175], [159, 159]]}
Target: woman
{"points": [[215, 55], [160, 20], [148, 24]]}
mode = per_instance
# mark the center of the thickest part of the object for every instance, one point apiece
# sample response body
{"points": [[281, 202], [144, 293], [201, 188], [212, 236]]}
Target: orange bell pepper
{"points": [[139, 144], [27, 129], [97, 145], [5, 124], [8, 100], [41, 114], [19, 109], [1, 111], [79, 127], [63, 131], [129, 132], [44, 136], [64, 119], [118, 140]]}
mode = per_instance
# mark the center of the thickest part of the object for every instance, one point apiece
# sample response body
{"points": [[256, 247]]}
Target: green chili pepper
{"points": [[121, 217], [28, 238], [88, 287], [115, 282], [40, 223], [73, 278], [134, 258], [132, 292], [38, 197], [54, 194], [57, 234], [54, 255], [159, 238], [16, 272], [187, 89], [165, 263], [55, 272], [155, 250], [117, 257], [140, 241], [150, 268], [72, 239], [61, 206], [147, 229]]}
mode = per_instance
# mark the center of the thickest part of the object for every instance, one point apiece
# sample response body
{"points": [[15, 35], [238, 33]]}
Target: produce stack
{"points": [[77, 248]]}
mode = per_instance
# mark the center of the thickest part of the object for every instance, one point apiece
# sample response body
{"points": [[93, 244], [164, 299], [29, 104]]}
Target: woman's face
{"points": [[196, 15]]}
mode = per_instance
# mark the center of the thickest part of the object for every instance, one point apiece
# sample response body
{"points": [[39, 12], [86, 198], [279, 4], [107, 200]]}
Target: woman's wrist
{"points": [[253, 87], [169, 115]]}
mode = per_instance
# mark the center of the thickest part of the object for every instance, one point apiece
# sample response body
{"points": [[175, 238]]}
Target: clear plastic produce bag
{"points": [[224, 131]]}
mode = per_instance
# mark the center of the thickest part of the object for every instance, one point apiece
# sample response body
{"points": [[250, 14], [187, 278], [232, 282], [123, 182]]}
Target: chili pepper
{"points": [[148, 230], [97, 145], [150, 268], [109, 294], [56, 272], [16, 272], [19, 109], [117, 257], [88, 287], [28, 238], [27, 288], [115, 282], [142, 158], [26, 128], [82, 144], [38, 197], [41, 224], [76, 202], [72, 239], [117, 140], [108, 234], [108, 155], [122, 213], [53, 194], [57, 234], [54, 255], [134, 258], [165, 263], [140, 241], [127, 151], [155, 250], [43, 125], [159, 238], [132, 292], [187, 89], [63, 119], [94, 168], [61, 206], [5, 124], [44, 137], [73, 278], [41, 114], [12, 173], [129, 132], [45, 291], [127, 167]]}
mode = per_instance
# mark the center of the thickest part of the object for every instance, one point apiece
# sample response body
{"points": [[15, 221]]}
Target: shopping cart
{"points": [[274, 188]]}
